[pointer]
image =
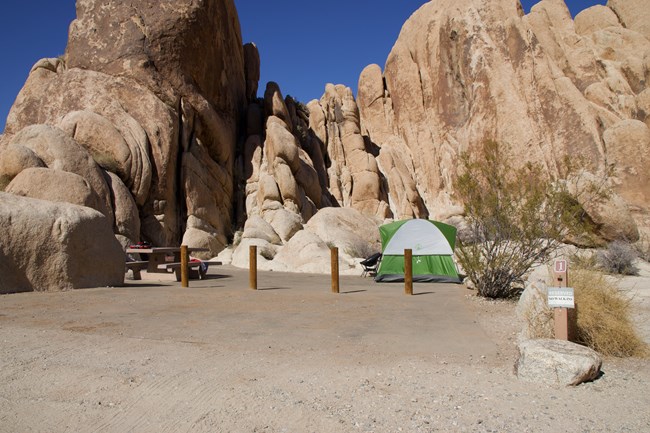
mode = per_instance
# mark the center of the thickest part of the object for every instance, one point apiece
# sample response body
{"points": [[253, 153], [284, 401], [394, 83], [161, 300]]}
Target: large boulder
{"points": [[54, 185], [305, 252], [47, 246], [556, 362], [60, 152], [348, 229]]}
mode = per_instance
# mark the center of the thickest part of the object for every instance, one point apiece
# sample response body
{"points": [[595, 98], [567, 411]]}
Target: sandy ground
{"points": [[292, 357]]}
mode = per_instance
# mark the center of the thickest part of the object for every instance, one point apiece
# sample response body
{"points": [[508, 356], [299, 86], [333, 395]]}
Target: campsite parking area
{"points": [[291, 356]]}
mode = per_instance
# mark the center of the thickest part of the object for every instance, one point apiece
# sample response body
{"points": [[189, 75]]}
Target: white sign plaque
{"points": [[561, 297]]}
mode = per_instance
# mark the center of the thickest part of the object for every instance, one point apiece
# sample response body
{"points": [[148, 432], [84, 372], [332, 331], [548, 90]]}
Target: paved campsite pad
{"points": [[219, 357], [286, 311]]}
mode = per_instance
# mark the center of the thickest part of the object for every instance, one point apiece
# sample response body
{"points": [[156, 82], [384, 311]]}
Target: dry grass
{"points": [[584, 259], [604, 317]]}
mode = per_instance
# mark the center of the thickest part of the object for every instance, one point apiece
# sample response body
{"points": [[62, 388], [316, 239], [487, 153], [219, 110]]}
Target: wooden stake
{"points": [[253, 267], [334, 253], [408, 272], [185, 270]]}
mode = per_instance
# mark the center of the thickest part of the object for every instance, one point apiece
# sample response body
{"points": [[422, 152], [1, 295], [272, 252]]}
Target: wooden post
{"points": [[185, 270], [561, 315], [253, 267], [408, 272], [334, 253]]}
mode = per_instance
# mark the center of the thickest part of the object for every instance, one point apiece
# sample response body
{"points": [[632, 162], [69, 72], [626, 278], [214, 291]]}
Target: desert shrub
{"points": [[618, 258], [603, 316], [586, 260], [516, 218], [360, 250]]}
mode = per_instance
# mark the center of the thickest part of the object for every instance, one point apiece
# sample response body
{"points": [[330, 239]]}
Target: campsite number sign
{"points": [[560, 266]]}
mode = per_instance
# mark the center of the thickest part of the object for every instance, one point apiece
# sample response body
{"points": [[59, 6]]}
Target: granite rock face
{"points": [[48, 246], [462, 72], [154, 94]]}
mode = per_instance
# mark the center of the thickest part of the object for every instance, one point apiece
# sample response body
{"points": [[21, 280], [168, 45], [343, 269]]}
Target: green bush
{"points": [[516, 218]]}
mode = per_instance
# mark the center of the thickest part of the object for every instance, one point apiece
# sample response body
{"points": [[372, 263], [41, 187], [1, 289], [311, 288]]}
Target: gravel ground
{"points": [[218, 357]]}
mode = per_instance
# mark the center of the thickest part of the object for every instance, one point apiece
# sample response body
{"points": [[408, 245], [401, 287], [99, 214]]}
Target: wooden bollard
{"points": [[253, 267], [334, 252], [408, 272], [185, 270]]}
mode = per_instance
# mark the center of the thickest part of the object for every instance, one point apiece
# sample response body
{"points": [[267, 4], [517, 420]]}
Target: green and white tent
{"points": [[432, 243]]}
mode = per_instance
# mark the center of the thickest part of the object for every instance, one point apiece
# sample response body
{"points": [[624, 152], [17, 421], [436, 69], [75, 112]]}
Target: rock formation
{"points": [[152, 117], [147, 91], [55, 246], [465, 71]]}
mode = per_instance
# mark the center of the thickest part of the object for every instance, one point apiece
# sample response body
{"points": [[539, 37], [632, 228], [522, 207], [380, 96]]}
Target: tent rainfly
{"points": [[432, 243]]}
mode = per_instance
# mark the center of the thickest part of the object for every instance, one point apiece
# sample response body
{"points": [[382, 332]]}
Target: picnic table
{"points": [[161, 260]]}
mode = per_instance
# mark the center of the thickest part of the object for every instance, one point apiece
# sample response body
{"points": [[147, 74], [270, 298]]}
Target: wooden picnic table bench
{"points": [[195, 268], [163, 260], [136, 267], [157, 256]]}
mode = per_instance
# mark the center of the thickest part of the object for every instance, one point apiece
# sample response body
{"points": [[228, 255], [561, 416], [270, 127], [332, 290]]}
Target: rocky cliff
{"points": [[464, 71], [153, 113]]}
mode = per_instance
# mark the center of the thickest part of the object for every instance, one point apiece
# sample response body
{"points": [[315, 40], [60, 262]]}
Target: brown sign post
{"points": [[561, 315]]}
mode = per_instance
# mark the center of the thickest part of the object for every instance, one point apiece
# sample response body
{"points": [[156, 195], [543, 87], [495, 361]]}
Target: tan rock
{"points": [[143, 120], [54, 185], [165, 77], [274, 104], [208, 192], [605, 208], [285, 222], [257, 228], [265, 253], [354, 178], [49, 246], [348, 229], [130, 161], [628, 149], [556, 362], [595, 18], [15, 158], [634, 14], [305, 252], [127, 217], [180, 39], [60, 152]]}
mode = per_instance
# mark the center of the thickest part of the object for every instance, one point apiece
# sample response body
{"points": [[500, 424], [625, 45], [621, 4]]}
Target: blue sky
{"points": [[301, 47]]}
